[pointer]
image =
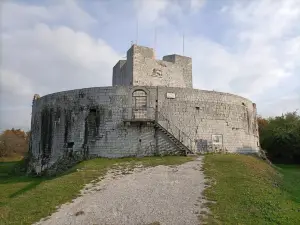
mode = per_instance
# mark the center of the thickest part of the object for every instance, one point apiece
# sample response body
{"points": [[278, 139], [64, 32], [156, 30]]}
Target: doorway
{"points": [[139, 101]]}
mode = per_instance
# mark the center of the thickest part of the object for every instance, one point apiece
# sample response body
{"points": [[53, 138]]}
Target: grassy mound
{"points": [[24, 200], [246, 190]]}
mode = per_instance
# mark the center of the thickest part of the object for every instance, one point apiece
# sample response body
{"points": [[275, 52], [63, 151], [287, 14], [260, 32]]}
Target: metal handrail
{"points": [[180, 135], [177, 133]]}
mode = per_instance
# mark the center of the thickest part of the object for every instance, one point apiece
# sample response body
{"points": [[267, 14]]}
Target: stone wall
{"points": [[91, 122], [119, 73], [142, 69], [204, 115]]}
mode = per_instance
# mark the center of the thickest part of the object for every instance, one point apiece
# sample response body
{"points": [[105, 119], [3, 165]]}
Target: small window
{"points": [[70, 144], [217, 139], [109, 114], [93, 110], [81, 95], [197, 108]]}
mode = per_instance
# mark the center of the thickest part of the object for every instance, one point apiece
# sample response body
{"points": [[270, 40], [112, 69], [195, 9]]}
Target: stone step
{"points": [[177, 142]]}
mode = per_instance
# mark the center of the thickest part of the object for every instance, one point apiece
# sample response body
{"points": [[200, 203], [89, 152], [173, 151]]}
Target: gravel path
{"points": [[161, 195]]}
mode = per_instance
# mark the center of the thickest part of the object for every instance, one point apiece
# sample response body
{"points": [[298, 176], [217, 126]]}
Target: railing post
{"points": [[156, 121], [156, 106]]}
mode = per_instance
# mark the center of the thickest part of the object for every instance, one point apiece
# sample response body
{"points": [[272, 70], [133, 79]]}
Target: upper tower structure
{"points": [[142, 69]]}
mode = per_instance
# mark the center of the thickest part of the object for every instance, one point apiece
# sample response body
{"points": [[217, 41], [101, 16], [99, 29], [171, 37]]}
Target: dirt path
{"points": [[158, 195]]}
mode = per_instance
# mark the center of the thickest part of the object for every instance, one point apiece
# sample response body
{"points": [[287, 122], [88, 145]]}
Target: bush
{"points": [[14, 142], [280, 137]]}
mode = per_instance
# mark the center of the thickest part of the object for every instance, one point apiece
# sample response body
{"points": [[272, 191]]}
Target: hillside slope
{"points": [[246, 190], [25, 200]]}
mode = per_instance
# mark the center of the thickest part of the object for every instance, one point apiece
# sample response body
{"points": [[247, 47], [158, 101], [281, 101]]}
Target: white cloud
{"points": [[20, 15], [263, 52], [16, 15], [270, 36], [196, 5], [149, 11], [11, 80], [59, 58], [264, 20], [15, 117], [281, 105], [48, 48], [43, 59], [160, 11]]}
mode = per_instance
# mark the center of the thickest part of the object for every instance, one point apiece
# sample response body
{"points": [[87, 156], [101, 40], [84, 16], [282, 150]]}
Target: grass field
{"points": [[12, 158], [248, 191], [24, 200], [245, 189]]}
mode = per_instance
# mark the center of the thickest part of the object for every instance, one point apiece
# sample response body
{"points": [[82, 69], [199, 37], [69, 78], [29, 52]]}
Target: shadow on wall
{"points": [[213, 145], [207, 146], [246, 150]]}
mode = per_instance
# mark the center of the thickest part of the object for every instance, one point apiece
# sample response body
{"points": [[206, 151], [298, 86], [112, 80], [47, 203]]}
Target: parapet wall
{"points": [[213, 120], [91, 121], [142, 69]]}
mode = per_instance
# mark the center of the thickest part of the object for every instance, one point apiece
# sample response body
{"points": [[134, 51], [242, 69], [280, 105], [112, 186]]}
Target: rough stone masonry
{"points": [[151, 109]]}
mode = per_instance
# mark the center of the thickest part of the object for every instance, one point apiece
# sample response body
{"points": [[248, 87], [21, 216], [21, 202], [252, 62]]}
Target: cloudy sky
{"points": [[250, 48]]}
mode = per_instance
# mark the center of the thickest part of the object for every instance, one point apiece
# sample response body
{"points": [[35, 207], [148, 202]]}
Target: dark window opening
{"points": [[243, 104], [197, 108], [70, 144], [93, 110], [81, 95], [109, 114], [140, 140]]}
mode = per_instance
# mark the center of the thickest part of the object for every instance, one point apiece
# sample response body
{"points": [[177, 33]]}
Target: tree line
{"points": [[280, 137]]}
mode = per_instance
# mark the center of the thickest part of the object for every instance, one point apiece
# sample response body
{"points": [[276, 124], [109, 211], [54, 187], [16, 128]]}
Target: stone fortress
{"points": [[151, 109]]}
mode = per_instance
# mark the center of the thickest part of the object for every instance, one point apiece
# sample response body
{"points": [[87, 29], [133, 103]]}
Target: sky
{"points": [[249, 48]]}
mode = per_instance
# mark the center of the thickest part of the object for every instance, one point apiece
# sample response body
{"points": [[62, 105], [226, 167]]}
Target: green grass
{"points": [[291, 181], [246, 190], [12, 158], [24, 200]]}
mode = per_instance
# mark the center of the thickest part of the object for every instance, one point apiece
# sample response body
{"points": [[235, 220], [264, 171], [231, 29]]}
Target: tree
{"points": [[280, 137], [13, 142]]}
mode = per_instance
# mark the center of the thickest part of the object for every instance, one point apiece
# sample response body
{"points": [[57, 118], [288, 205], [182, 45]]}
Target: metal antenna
{"points": [[183, 44], [155, 39], [137, 30]]}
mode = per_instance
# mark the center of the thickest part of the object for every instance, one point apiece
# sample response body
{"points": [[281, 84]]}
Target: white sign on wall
{"points": [[170, 95], [217, 139]]}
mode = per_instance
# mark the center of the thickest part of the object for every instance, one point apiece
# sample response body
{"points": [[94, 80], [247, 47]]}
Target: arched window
{"points": [[139, 99], [139, 103]]}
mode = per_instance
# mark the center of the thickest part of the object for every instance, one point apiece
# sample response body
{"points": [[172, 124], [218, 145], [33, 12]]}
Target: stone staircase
{"points": [[154, 118], [176, 141]]}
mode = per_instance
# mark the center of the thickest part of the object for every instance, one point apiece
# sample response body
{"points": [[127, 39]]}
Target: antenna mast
{"points": [[183, 44], [137, 29], [155, 39]]}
